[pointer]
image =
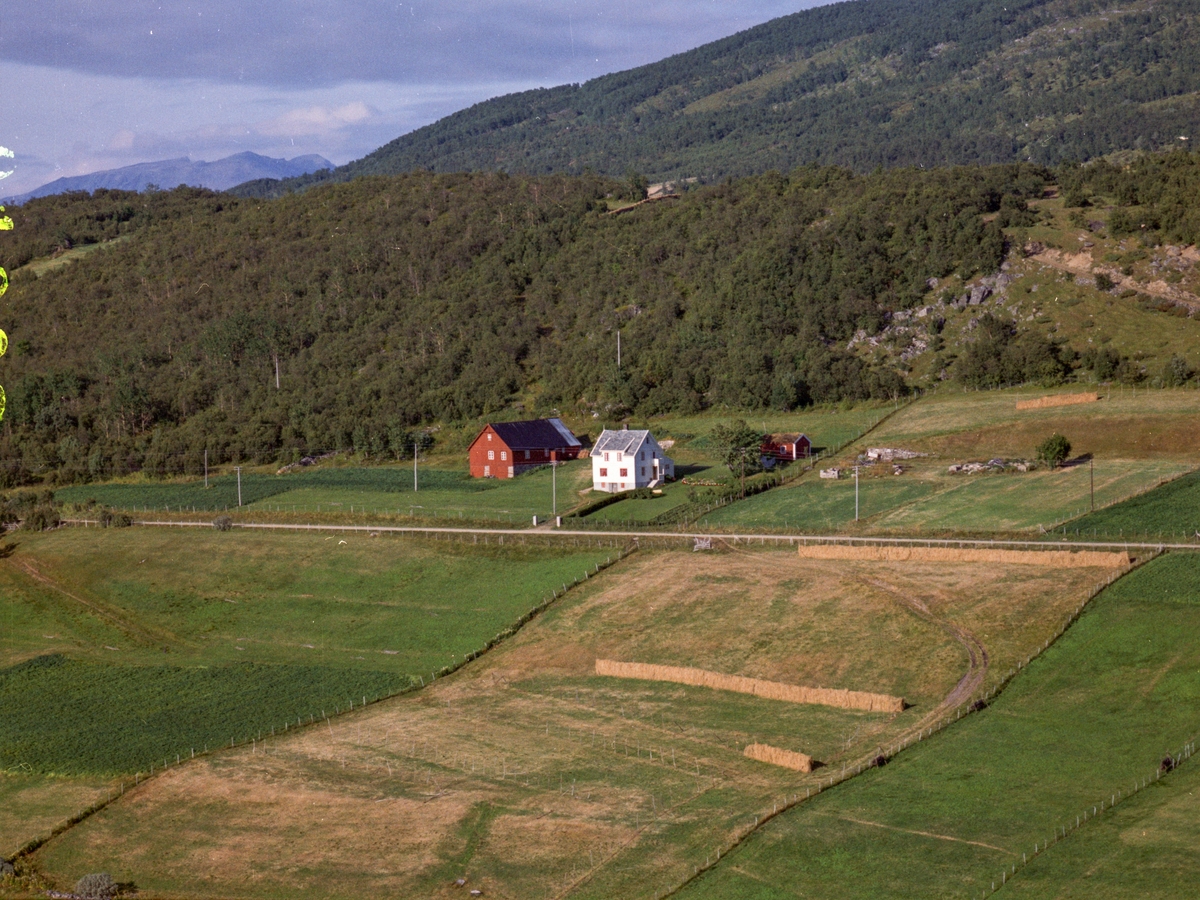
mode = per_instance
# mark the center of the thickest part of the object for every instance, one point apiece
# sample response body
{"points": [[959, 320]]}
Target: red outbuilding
{"points": [[786, 446], [506, 449]]}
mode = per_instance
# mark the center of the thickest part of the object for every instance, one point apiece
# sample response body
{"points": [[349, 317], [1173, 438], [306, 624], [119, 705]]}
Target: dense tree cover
{"points": [[863, 84], [349, 315], [999, 355]]}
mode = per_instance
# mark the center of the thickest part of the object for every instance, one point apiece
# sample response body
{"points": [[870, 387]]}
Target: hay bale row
{"points": [[1061, 559], [740, 684], [1058, 400], [798, 762]]}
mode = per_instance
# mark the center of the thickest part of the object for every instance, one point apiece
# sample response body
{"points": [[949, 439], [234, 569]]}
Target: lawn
{"points": [[530, 776], [125, 646], [1091, 717]]}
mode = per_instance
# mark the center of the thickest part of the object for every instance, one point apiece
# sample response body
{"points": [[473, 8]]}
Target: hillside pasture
{"points": [[1170, 511], [1084, 724], [531, 776], [131, 646]]}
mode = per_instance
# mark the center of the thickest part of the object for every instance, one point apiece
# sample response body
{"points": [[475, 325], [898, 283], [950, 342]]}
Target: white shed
{"points": [[626, 460]]}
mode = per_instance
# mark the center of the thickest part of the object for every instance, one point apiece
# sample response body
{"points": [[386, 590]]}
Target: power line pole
{"points": [[239, 471], [1092, 476], [206, 468], [856, 493], [554, 483], [618, 348], [415, 445]]}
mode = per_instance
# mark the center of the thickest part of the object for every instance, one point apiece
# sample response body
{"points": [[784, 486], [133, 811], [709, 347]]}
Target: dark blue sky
{"points": [[96, 84]]}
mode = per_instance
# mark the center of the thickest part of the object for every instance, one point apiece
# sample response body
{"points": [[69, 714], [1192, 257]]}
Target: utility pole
{"points": [[239, 471], [206, 468], [554, 483], [743, 473], [414, 467], [1092, 477], [856, 493], [618, 348]]}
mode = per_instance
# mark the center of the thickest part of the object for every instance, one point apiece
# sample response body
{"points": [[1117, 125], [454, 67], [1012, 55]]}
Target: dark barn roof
{"points": [[536, 434]]}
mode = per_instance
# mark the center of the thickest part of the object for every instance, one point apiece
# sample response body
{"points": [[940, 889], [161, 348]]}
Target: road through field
{"points": [[777, 539]]}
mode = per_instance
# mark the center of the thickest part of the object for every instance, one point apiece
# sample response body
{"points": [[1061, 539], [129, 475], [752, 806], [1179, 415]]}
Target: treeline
{"points": [[353, 315], [864, 84]]}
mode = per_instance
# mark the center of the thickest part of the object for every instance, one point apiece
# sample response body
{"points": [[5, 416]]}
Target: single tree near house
{"points": [[1053, 450], [738, 445]]}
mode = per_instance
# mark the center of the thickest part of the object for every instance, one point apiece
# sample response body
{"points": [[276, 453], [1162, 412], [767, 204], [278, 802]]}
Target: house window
{"points": [[624, 473], [527, 454], [504, 454], [643, 471], [604, 473], [642, 455], [606, 456], [491, 454], [489, 437]]}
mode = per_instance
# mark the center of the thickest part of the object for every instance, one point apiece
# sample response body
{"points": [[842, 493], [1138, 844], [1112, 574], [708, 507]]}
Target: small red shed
{"points": [[786, 446], [506, 449]]}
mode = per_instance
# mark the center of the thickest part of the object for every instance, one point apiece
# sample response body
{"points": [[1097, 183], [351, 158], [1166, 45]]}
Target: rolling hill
{"points": [[860, 84]]}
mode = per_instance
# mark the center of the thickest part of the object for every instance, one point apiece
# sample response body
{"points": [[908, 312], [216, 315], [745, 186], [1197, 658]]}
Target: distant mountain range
{"points": [[859, 84], [168, 173]]}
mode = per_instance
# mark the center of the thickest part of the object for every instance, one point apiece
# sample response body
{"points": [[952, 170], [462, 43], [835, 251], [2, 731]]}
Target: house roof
{"points": [[535, 434], [783, 438], [619, 441]]}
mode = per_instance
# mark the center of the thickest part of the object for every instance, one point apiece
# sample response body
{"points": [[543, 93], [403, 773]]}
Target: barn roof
{"points": [[536, 434], [619, 441]]}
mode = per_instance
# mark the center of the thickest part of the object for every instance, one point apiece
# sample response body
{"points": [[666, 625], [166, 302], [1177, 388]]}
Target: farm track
{"points": [[749, 538]]}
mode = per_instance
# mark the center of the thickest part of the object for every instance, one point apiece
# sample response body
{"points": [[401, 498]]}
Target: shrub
{"points": [[1176, 372], [222, 523], [1053, 450], [1103, 282], [110, 519], [98, 886], [42, 517]]}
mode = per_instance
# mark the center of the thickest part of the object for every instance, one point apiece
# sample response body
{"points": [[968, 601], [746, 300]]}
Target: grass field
{"points": [[31, 805], [127, 646], [532, 777], [1169, 512], [379, 491], [1091, 716]]}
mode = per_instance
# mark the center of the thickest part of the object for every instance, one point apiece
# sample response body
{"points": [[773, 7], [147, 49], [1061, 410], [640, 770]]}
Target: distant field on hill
{"points": [[1092, 716], [531, 776]]}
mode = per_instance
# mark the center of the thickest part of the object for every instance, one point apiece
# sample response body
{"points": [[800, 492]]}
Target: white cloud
{"points": [[316, 120]]}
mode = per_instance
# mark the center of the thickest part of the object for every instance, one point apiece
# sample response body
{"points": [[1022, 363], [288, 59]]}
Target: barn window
{"points": [[604, 473], [527, 454], [504, 454], [491, 454], [489, 437]]}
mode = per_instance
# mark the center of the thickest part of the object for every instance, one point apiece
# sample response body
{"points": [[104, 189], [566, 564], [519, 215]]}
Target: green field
{"points": [[1170, 512], [114, 661], [1092, 716], [928, 500], [360, 491]]}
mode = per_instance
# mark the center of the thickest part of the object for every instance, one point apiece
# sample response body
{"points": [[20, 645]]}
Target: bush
{"points": [[1103, 282], [1053, 450], [42, 517], [110, 519], [98, 886], [222, 523], [1176, 372]]}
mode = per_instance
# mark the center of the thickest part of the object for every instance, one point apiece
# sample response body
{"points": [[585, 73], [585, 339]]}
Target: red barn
{"points": [[786, 446], [506, 449]]}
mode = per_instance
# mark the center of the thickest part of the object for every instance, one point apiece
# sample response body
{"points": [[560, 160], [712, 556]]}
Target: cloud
{"points": [[316, 120]]}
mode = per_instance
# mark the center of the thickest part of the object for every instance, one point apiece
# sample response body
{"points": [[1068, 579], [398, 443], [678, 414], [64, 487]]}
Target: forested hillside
{"points": [[349, 315], [857, 84]]}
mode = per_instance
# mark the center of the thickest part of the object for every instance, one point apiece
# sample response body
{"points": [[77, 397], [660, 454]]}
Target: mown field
{"points": [[1091, 717], [125, 648], [1126, 444], [531, 776]]}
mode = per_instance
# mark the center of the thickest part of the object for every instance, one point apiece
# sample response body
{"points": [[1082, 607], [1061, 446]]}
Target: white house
{"points": [[626, 460]]}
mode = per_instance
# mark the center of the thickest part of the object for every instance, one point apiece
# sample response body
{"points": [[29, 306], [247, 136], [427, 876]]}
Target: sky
{"points": [[87, 85]]}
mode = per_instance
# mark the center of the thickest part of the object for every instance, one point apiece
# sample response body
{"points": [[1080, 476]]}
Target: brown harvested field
{"points": [[1063, 559], [1058, 400], [1122, 424], [31, 806], [532, 777]]}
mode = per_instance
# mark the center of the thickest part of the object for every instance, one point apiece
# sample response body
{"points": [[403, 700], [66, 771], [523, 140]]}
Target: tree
{"points": [[738, 445], [1053, 450]]}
